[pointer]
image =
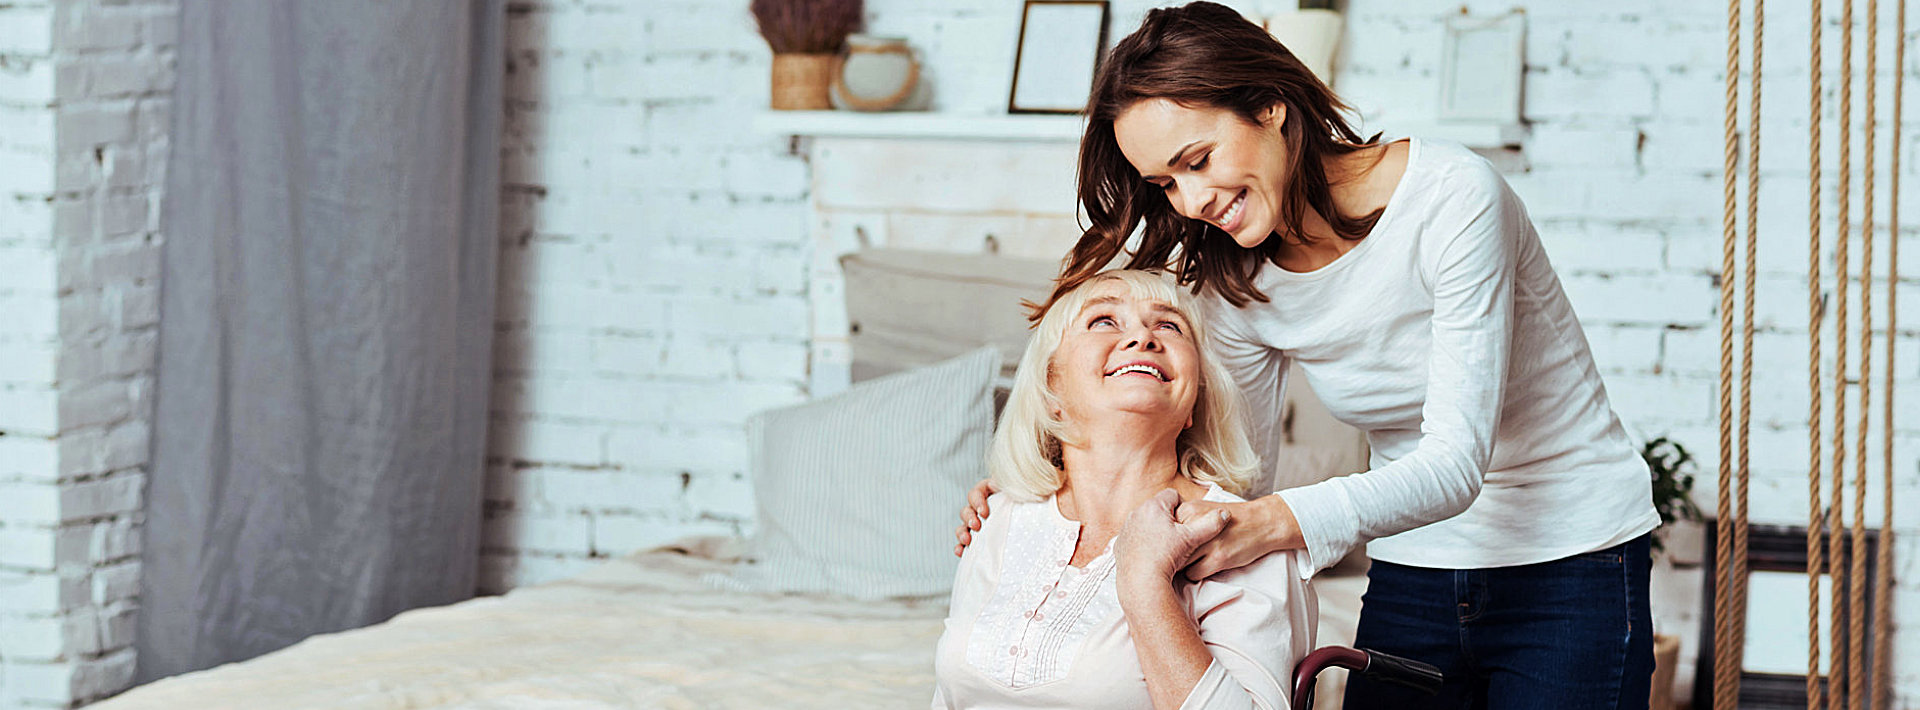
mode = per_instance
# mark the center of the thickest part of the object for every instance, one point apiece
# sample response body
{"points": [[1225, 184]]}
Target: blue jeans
{"points": [[1562, 635]]}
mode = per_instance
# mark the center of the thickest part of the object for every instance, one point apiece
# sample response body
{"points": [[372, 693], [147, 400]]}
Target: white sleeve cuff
{"points": [[1326, 521], [1217, 691]]}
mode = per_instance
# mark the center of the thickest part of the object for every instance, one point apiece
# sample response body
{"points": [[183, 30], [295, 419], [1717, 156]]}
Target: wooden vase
{"points": [[800, 81]]}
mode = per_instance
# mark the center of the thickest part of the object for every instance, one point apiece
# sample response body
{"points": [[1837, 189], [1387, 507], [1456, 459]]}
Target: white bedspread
{"points": [[640, 631], [637, 632]]}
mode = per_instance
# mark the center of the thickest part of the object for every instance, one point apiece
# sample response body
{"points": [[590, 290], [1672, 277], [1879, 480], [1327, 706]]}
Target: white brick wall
{"points": [[83, 103], [660, 254]]}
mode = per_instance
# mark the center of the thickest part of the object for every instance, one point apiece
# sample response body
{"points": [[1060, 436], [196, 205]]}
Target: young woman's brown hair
{"points": [[1203, 55]]}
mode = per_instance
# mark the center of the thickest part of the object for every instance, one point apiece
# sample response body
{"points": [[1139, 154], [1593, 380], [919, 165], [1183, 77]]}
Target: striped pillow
{"points": [[857, 492]]}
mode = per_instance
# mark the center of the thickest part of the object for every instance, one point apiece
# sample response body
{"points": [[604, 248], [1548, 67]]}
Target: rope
{"points": [[1883, 583], [1726, 674], [1816, 552], [1836, 693], [1857, 549], [1744, 472]]}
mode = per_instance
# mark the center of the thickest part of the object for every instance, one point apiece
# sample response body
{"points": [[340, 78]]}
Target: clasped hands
{"points": [[1166, 535]]}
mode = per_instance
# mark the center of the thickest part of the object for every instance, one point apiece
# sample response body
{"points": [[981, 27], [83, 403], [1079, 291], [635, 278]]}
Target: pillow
{"points": [[857, 492], [908, 308]]}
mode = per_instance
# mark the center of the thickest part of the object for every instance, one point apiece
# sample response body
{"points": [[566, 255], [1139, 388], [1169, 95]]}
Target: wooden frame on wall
{"points": [[1779, 549], [1059, 51]]}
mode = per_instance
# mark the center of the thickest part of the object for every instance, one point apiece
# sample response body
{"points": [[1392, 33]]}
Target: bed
{"points": [[680, 626]]}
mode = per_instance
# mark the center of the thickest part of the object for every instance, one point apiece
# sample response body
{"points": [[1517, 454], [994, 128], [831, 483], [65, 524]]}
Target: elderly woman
{"points": [[1070, 595]]}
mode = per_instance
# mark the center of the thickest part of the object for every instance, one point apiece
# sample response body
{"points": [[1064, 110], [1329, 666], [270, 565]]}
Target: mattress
{"points": [[640, 631]]}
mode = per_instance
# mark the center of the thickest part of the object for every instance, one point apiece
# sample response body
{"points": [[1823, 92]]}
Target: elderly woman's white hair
{"points": [[1025, 457]]}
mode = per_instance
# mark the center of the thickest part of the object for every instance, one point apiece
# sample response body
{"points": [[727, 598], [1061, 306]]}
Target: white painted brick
{"points": [[730, 403], [113, 495], [655, 449], [37, 638], [83, 127], [26, 82], [1659, 197], [30, 592], [545, 350], [760, 317], [550, 442], [774, 361], [27, 410], [1568, 95], [693, 358], [27, 547], [619, 535], [782, 177], [100, 677], [24, 503], [943, 175], [86, 26], [118, 539], [781, 271], [598, 491], [569, 533], [1602, 248], [682, 267], [31, 179], [25, 221], [1660, 398], [96, 404], [1649, 300], [724, 495], [26, 29], [116, 582], [1625, 349], [697, 28], [27, 363]]}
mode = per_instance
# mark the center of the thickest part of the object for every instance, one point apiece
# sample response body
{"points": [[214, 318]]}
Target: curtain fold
{"points": [[331, 215]]}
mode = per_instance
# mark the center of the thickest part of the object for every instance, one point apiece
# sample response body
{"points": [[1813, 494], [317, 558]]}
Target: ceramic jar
{"points": [[878, 74]]}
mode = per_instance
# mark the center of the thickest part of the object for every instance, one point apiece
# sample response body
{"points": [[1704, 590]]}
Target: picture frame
{"points": [[1482, 68], [1777, 563], [1059, 50]]}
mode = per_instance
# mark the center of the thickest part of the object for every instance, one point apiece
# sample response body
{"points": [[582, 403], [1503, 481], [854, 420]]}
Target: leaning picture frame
{"points": [[1059, 50]]}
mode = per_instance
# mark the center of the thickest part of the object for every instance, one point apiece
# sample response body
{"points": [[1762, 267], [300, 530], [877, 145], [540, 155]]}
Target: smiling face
{"points": [[1124, 353], [1212, 165]]}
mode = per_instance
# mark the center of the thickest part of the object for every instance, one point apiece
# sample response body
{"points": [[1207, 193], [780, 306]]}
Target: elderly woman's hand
{"points": [[1263, 525], [1154, 545]]}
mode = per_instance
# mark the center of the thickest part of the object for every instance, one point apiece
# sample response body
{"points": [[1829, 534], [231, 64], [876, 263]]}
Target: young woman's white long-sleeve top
{"points": [[1445, 335], [1028, 630]]}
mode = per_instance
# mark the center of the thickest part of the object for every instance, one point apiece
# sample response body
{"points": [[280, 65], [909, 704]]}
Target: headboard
{"points": [[907, 308]]}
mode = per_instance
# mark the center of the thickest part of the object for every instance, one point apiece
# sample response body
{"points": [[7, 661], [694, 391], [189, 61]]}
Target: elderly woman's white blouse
{"points": [[1028, 630]]}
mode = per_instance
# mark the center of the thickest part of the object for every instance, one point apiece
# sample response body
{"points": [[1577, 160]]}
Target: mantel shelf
{"points": [[936, 125], [921, 124]]}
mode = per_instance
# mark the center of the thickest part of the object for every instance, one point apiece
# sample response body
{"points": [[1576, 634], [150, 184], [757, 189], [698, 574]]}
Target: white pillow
{"points": [[857, 492]]}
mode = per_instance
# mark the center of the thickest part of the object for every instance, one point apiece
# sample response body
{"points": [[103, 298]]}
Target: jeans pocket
{"points": [[1611, 556]]}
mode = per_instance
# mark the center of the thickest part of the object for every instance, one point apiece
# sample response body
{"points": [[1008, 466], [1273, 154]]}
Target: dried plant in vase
{"points": [[805, 36]]}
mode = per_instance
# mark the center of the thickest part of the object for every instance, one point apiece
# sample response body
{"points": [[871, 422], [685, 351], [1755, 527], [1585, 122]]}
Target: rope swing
{"points": [[1834, 549]]}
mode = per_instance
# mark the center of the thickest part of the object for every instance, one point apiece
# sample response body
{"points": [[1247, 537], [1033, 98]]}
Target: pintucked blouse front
{"points": [[1027, 630]]}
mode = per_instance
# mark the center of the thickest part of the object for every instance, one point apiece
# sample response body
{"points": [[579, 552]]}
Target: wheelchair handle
{"points": [[1386, 667]]}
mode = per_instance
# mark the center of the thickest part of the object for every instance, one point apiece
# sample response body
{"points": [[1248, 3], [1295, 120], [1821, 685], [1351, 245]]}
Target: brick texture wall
{"points": [[658, 259], [659, 279], [84, 90]]}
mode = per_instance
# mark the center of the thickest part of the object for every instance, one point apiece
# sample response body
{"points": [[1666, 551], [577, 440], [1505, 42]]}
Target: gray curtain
{"points": [[326, 321]]}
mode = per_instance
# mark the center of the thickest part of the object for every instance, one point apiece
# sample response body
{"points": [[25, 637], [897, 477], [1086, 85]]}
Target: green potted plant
{"points": [[1677, 541], [1673, 468]]}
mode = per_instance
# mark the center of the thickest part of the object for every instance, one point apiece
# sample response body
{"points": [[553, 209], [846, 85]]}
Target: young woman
{"points": [[1506, 510], [1072, 596]]}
